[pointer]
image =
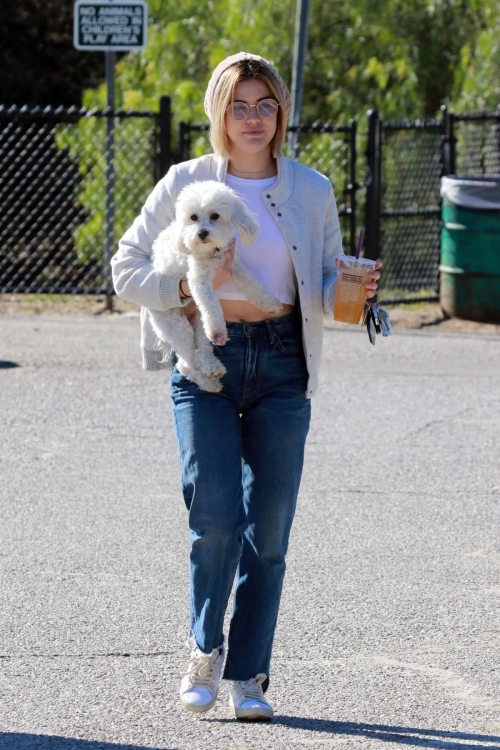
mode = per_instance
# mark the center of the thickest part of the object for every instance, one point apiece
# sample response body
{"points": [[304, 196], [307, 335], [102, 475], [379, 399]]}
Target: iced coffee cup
{"points": [[350, 292]]}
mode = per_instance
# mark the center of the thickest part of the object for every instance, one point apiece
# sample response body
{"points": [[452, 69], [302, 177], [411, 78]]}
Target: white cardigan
{"points": [[302, 202]]}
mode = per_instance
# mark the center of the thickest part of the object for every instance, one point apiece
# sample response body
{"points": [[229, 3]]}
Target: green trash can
{"points": [[470, 247]]}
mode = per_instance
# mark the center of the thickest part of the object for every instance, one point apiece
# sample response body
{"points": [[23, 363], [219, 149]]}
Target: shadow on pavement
{"points": [[18, 741], [385, 733]]}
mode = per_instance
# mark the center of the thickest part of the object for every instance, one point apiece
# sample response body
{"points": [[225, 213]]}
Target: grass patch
{"points": [[412, 302], [62, 297], [411, 305]]}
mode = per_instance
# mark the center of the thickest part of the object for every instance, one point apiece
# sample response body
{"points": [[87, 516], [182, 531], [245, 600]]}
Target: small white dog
{"points": [[193, 245]]}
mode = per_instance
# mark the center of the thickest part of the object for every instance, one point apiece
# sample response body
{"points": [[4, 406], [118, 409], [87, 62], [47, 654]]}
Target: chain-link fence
{"points": [[476, 143], [73, 180], [68, 182], [410, 223]]}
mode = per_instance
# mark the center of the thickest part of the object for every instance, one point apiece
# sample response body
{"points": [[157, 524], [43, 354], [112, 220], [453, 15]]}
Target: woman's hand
{"points": [[373, 277], [224, 273]]}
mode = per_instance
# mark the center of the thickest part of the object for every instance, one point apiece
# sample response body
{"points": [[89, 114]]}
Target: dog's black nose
{"points": [[203, 234]]}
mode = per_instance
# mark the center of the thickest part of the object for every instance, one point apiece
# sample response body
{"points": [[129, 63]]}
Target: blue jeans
{"points": [[241, 455]]}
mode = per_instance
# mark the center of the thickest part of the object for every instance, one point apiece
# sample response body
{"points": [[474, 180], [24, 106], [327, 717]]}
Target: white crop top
{"points": [[268, 258]]}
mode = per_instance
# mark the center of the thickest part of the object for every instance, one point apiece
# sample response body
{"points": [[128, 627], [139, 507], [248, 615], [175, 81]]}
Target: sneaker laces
{"points": [[200, 669], [252, 689]]}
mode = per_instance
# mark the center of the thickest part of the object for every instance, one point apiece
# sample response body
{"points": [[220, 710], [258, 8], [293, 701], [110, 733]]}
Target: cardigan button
{"points": [[302, 282], [268, 196], [279, 213], [273, 204], [295, 247]]}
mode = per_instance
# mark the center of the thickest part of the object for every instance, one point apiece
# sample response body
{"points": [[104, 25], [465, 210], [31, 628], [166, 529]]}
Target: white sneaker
{"points": [[247, 700], [200, 681]]}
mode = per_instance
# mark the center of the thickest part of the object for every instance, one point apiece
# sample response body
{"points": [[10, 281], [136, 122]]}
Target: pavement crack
{"points": [[89, 656], [449, 418]]}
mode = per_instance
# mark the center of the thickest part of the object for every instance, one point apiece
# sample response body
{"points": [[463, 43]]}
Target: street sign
{"points": [[113, 25]]}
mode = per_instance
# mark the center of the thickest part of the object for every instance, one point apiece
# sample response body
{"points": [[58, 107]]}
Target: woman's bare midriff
{"points": [[239, 311]]}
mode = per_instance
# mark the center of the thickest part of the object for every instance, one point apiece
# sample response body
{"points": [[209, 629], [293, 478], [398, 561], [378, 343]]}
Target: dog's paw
{"points": [[214, 368], [218, 336], [212, 385], [272, 305]]}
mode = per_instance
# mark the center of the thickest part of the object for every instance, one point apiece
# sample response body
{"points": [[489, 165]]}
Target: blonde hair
{"points": [[224, 96]]}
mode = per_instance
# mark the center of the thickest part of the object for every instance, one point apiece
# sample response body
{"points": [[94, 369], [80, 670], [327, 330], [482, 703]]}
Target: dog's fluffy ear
{"points": [[244, 222]]}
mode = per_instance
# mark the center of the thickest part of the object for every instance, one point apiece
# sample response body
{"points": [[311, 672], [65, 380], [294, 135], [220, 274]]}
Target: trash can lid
{"points": [[480, 191]]}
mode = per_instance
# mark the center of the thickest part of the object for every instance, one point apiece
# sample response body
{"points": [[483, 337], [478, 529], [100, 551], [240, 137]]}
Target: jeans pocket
{"points": [[290, 342]]}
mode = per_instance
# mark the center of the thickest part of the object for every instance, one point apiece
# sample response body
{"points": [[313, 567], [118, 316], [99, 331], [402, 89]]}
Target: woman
{"points": [[241, 450]]}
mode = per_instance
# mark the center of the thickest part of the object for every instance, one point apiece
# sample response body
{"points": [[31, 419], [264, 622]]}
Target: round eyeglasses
{"points": [[265, 108]]}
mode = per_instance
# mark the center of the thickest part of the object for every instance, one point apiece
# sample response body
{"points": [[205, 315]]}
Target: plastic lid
{"points": [[472, 191], [351, 260]]}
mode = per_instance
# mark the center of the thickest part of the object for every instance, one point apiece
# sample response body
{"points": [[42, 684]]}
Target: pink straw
{"points": [[358, 250]]}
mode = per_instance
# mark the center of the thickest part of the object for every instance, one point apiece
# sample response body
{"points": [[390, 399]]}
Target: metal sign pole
{"points": [[110, 176], [299, 56]]}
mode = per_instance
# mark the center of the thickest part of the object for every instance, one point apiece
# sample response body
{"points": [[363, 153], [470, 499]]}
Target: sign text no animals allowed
{"points": [[115, 24]]}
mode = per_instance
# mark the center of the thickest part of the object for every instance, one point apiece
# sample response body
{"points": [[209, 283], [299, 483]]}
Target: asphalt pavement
{"points": [[389, 627]]}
